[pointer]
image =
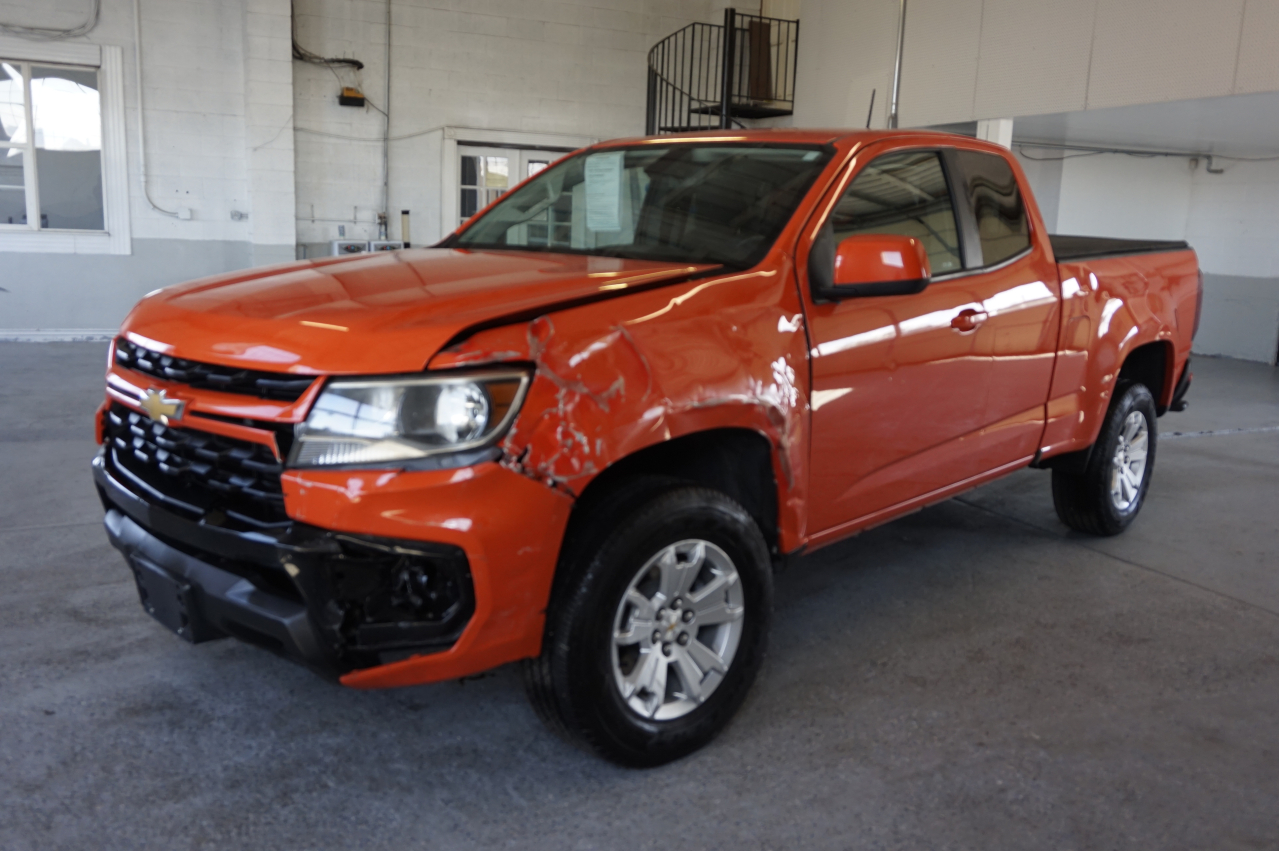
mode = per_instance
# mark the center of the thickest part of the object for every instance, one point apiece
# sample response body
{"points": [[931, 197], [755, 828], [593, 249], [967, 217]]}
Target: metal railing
{"points": [[706, 76]]}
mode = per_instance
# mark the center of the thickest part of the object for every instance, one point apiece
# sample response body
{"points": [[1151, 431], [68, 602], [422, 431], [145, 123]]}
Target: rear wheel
{"points": [[657, 629], [1106, 495]]}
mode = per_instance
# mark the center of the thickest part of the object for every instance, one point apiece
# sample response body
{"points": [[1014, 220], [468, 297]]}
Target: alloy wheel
{"points": [[1128, 467], [677, 629]]}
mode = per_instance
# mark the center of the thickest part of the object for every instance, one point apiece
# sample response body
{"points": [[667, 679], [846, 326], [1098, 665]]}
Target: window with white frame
{"points": [[51, 173], [64, 177]]}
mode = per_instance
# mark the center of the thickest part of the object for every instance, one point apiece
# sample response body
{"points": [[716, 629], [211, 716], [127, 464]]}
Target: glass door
{"points": [[486, 173]]}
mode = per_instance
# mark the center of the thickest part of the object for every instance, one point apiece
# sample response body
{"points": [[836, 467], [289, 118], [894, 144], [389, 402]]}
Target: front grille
{"points": [[224, 481], [279, 386]]}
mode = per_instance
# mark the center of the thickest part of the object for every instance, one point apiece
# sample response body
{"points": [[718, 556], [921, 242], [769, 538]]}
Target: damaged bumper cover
{"points": [[331, 601]]}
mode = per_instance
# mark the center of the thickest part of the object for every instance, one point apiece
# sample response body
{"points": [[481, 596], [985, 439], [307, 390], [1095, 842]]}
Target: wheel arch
{"points": [[1152, 364], [737, 462]]}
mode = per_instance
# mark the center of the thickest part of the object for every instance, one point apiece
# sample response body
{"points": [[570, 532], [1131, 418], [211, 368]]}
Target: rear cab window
{"points": [[999, 212]]}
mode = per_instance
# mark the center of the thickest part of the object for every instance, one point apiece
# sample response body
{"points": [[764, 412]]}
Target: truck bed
{"points": [[1067, 248]]}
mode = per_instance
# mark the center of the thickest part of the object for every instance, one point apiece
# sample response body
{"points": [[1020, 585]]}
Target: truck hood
{"points": [[375, 313]]}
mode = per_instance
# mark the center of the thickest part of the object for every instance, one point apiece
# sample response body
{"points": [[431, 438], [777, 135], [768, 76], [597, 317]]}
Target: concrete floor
{"points": [[973, 676]]}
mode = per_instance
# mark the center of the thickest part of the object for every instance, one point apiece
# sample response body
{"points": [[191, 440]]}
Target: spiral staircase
{"points": [[708, 76]]}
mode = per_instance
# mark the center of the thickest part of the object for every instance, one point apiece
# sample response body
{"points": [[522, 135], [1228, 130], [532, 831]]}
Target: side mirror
{"points": [[869, 264]]}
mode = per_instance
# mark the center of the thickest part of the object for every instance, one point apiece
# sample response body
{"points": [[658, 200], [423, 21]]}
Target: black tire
{"points": [[1083, 499], [572, 685]]}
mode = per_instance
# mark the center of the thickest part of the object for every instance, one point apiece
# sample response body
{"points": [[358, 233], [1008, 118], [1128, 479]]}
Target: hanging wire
{"points": [[379, 139], [277, 135], [301, 54], [53, 33], [142, 114], [1075, 151], [1021, 149]]}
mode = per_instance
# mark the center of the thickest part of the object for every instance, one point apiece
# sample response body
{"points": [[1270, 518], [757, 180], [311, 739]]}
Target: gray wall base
{"points": [[1240, 319], [66, 293]]}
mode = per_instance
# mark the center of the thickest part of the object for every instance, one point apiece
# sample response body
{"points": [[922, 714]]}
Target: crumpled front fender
{"points": [[615, 377]]}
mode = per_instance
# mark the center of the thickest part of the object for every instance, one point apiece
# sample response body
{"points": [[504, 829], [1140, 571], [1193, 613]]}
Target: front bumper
{"points": [[201, 602], [335, 598]]}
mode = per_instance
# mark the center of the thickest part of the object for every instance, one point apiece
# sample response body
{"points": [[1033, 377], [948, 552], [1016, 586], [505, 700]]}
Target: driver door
{"points": [[897, 386]]}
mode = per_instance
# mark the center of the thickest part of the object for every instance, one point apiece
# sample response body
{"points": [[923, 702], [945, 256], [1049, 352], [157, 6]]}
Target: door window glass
{"points": [[997, 205], [903, 193]]}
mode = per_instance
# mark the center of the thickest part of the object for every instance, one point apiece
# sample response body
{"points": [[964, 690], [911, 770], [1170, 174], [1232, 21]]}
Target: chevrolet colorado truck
{"points": [[583, 430]]}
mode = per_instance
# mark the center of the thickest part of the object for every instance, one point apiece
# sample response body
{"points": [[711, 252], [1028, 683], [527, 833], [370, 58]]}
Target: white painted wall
{"points": [[1229, 219], [1126, 197], [966, 60], [561, 67], [1233, 220], [846, 52], [204, 62], [217, 85], [1235, 216], [195, 120], [268, 128], [972, 59]]}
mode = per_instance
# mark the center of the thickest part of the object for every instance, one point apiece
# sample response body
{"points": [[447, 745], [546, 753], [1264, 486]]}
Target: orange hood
{"points": [[376, 313]]}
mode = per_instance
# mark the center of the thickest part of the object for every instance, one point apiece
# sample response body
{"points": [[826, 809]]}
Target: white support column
{"points": [[997, 130]]}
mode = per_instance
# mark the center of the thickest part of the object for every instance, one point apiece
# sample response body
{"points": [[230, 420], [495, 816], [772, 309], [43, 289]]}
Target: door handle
{"points": [[968, 320]]}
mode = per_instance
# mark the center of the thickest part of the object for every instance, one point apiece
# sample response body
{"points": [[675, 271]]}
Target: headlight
{"points": [[384, 421]]}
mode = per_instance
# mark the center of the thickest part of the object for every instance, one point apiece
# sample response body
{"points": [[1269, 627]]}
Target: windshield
{"points": [[695, 203]]}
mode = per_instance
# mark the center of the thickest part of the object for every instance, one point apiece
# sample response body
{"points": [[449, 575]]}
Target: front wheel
{"points": [[658, 629], [1106, 496]]}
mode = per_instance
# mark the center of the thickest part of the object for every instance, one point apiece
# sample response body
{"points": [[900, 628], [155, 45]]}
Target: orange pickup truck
{"points": [[584, 429]]}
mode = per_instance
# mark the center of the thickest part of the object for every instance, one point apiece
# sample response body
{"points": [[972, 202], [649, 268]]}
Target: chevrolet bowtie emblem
{"points": [[160, 407]]}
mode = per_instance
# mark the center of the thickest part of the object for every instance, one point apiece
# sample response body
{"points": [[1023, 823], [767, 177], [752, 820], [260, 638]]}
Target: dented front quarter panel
{"points": [[614, 377]]}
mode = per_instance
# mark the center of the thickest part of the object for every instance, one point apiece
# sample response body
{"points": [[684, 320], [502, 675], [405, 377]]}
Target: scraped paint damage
{"points": [[594, 400], [573, 388]]}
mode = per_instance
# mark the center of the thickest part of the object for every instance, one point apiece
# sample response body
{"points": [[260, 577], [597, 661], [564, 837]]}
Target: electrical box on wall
{"points": [[348, 246], [351, 97]]}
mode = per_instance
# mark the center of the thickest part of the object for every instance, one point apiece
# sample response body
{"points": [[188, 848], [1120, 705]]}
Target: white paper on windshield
{"points": [[604, 191]]}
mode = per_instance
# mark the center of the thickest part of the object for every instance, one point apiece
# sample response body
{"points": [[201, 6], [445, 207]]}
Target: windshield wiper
{"points": [[728, 263], [624, 252]]}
